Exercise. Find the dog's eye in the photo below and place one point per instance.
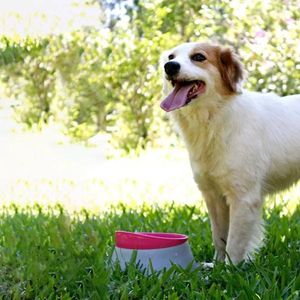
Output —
(171, 56)
(198, 57)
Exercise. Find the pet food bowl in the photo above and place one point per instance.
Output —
(161, 249)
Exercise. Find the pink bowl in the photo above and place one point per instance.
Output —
(148, 240)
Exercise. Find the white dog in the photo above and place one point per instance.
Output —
(242, 145)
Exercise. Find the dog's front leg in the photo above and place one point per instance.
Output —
(245, 228)
(219, 216)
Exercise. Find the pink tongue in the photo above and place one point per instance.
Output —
(177, 98)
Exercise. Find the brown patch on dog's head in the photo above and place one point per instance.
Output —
(231, 70)
(228, 64)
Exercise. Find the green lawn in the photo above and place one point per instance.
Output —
(47, 253)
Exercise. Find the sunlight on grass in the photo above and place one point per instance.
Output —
(98, 195)
(287, 200)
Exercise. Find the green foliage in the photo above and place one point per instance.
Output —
(109, 80)
(84, 98)
(29, 77)
(37, 90)
(49, 254)
(15, 50)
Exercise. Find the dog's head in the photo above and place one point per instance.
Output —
(199, 70)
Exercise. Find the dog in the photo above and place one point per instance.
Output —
(242, 145)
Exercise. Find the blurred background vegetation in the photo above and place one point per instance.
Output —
(104, 77)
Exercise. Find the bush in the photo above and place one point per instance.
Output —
(83, 101)
(29, 77)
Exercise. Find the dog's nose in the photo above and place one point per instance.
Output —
(172, 68)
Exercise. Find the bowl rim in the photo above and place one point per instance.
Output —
(148, 240)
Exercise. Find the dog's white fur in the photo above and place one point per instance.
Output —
(242, 145)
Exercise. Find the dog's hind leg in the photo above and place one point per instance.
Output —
(245, 228)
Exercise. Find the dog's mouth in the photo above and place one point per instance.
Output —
(183, 93)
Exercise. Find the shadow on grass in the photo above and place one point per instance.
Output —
(46, 253)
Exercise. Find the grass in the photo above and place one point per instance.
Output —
(50, 253)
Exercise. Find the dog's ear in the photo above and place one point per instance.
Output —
(232, 71)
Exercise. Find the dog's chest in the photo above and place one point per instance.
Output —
(207, 150)
(206, 164)
(205, 141)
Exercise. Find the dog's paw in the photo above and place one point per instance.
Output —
(207, 265)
